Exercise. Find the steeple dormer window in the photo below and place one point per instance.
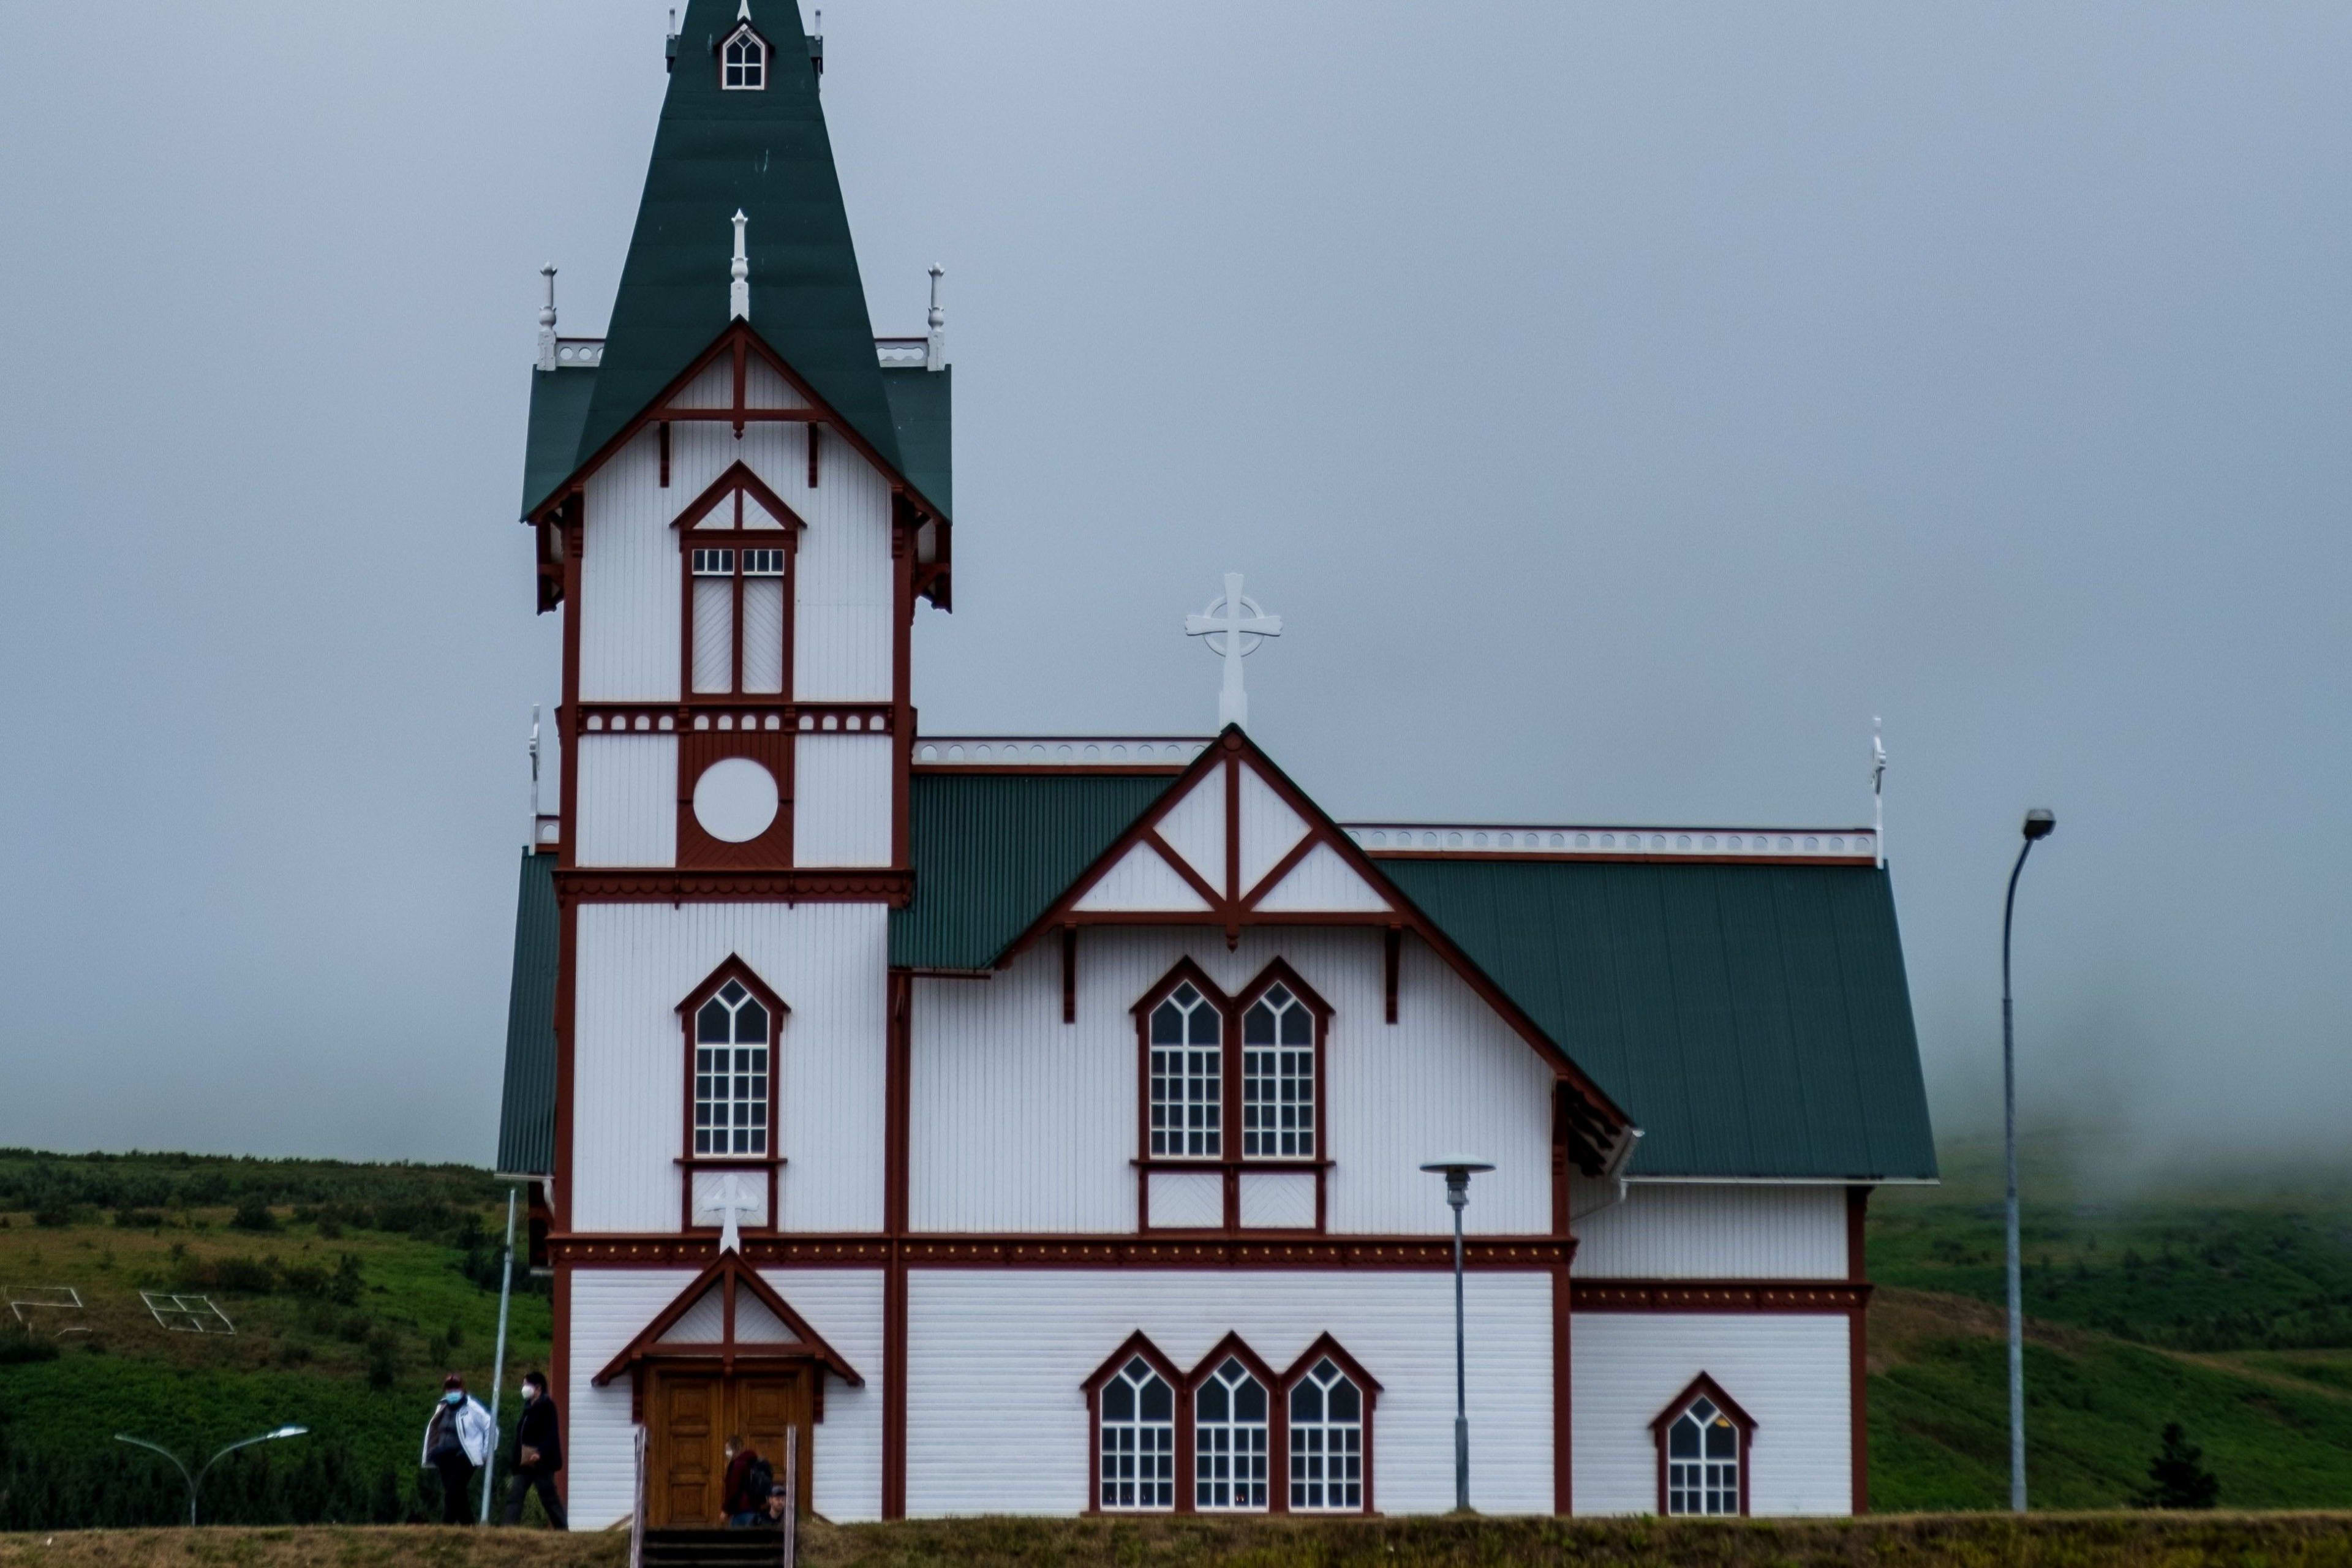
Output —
(743, 61)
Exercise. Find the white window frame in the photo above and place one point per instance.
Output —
(748, 73)
(733, 1078)
(1326, 1456)
(1278, 1079)
(1702, 1483)
(1136, 1471)
(1231, 1454)
(1187, 1087)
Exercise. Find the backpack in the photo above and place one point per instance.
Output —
(758, 1482)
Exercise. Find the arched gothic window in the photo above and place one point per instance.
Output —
(1277, 1077)
(1230, 1438)
(1188, 1068)
(1703, 1440)
(743, 62)
(1136, 1431)
(1327, 1440)
(731, 1042)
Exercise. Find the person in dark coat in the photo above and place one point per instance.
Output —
(538, 1454)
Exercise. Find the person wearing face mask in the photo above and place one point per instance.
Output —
(538, 1453)
(458, 1441)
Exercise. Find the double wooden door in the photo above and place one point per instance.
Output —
(690, 1412)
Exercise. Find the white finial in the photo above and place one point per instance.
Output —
(935, 348)
(547, 320)
(730, 1198)
(1878, 789)
(534, 775)
(743, 11)
(739, 292)
(1235, 626)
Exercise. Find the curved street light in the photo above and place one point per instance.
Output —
(2039, 824)
(1458, 1170)
(197, 1480)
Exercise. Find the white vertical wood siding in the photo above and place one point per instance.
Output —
(1269, 828)
(1789, 1371)
(627, 801)
(1322, 881)
(635, 961)
(996, 1420)
(609, 1306)
(1675, 1231)
(841, 801)
(1022, 1122)
(843, 578)
(628, 580)
(1141, 880)
(1187, 1200)
(1280, 1202)
(1195, 827)
(844, 1305)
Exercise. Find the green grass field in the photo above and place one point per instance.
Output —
(2226, 1309)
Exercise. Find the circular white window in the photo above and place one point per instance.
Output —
(735, 800)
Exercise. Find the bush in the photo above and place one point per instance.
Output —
(253, 1214)
(382, 1360)
(17, 1347)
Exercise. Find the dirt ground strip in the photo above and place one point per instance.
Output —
(1943, 1540)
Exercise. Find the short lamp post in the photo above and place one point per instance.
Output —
(1457, 1171)
(2038, 825)
(195, 1479)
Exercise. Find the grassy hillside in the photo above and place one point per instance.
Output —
(2048, 1541)
(2224, 1304)
(351, 1289)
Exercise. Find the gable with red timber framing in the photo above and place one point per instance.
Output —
(740, 381)
(1234, 842)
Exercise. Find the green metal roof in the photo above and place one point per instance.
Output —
(768, 153)
(921, 406)
(527, 1114)
(1754, 1020)
(559, 407)
(991, 853)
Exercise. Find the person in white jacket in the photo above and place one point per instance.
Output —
(458, 1441)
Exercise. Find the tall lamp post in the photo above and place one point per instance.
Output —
(1457, 1171)
(2038, 825)
(197, 1480)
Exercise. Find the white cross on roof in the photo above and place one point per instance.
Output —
(1235, 626)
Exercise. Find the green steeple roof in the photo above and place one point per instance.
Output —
(767, 153)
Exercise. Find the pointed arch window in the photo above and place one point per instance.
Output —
(1232, 1436)
(1327, 1421)
(1703, 1438)
(732, 1026)
(1132, 1399)
(743, 61)
(1188, 1075)
(740, 542)
(1279, 1076)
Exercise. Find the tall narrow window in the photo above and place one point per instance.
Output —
(1188, 1077)
(731, 1073)
(1229, 1438)
(1702, 1460)
(1327, 1441)
(1138, 1435)
(714, 620)
(743, 62)
(763, 622)
(1277, 1077)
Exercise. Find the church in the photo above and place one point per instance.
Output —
(1040, 1124)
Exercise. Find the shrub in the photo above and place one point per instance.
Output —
(18, 1346)
(253, 1214)
(382, 1360)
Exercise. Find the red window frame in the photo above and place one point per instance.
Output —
(1185, 1388)
(725, 496)
(1704, 1387)
(1231, 1162)
(689, 1161)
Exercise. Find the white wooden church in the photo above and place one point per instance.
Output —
(1035, 1124)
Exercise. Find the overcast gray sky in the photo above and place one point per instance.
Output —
(1621, 404)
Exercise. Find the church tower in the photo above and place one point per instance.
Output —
(739, 496)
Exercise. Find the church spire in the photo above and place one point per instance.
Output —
(759, 147)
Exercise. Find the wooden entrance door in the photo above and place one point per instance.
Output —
(690, 1414)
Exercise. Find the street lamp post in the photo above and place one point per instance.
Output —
(2038, 825)
(197, 1480)
(1457, 1171)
